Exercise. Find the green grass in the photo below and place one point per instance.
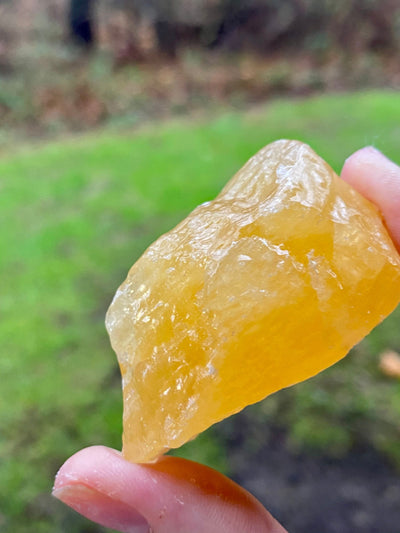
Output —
(76, 214)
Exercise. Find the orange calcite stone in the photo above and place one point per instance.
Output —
(267, 285)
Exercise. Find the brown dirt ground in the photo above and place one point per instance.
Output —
(316, 494)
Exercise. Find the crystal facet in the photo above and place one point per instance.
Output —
(267, 285)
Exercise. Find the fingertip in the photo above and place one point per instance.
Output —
(361, 152)
(377, 178)
(355, 166)
(90, 483)
(83, 465)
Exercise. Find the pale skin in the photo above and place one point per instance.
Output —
(179, 496)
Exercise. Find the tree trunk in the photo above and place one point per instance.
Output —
(80, 20)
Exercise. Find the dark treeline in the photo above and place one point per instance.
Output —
(261, 25)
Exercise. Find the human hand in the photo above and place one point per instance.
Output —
(178, 496)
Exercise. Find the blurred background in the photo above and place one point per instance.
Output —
(116, 119)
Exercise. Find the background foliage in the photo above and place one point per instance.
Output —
(250, 50)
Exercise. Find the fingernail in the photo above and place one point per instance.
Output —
(101, 508)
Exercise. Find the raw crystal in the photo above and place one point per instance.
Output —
(267, 285)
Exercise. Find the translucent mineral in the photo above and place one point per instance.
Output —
(263, 287)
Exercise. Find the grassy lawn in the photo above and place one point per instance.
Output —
(76, 214)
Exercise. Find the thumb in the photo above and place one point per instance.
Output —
(172, 495)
